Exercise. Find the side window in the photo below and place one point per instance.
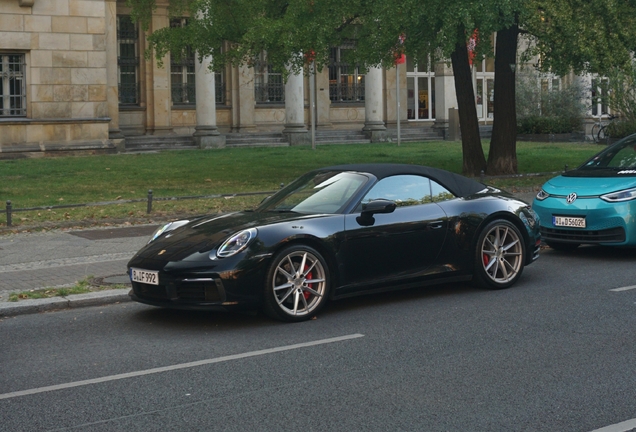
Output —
(439, 192)
(405, 190)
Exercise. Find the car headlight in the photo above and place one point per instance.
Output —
(542, 195)
(624, 195)
(167, 227)
(236, 243)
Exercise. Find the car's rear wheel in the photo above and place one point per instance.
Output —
(297, 284)
(562, 246)
(500, 255)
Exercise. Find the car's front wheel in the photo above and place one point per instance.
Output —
(500, 255)
(297, 284)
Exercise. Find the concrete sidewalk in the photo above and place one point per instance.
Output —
(53, 259)
(30, 261)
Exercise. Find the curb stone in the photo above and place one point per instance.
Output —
(99, 298)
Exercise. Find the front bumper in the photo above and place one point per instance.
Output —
(606, 223)
(201, 285)
(199, 293)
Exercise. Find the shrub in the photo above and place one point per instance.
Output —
(546, 125)
(621, 128)
(619, 93)
(547, 111)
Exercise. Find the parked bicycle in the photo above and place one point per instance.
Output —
(599, 129)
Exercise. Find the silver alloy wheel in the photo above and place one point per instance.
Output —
(299, 283)
(502, 254)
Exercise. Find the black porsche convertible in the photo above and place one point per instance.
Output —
(336, 232)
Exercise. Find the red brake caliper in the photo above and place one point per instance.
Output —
(486, 260)
(309, 276)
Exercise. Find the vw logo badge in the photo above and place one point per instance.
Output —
(571, 198)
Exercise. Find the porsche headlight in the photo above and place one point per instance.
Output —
(167, 227)
(542, 195)
(624, 195)
(236, 243)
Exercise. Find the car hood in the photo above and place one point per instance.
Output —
(206, 233)
(587, 186)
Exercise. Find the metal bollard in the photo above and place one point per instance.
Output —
(282, 185)
(481, 176)
(565, 168)
(149, 201)
(9, 213)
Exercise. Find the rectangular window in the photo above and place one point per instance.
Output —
(268, 83)
(182, 77)
(219, 88)
(420, 83)
(128, 61)
(346, 84)
(599, 106)
(12, 85)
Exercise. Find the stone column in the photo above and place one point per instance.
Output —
(158, 109)
(206, 133)
(374, 127)
(112, 91)
(246, 100)
(444, 97)
(323, 103)
(295, 130)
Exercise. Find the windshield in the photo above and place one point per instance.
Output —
(323, 192)
(619, 158)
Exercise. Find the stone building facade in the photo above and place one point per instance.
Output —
(53, 65)
(74, 79)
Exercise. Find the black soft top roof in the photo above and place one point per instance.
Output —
(459, 185)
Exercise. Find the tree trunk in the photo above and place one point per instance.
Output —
(502, 157)
(473, 154)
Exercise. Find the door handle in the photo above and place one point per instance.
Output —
(435, 225)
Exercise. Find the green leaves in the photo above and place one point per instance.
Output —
(580, 35)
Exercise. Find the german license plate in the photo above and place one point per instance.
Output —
(563, 221)
(144, 276)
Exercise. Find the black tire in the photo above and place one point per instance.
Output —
(602, 135)
(293, 294)
(500, 255)
(564, 247)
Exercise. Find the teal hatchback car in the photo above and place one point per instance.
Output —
(594, 203)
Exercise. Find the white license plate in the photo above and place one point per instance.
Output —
(562, 221)
(144, 276)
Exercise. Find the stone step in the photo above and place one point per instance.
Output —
(415, 134)
(155, 143)
(245, 140)
(261, 139)
(341, 137)
(256, 144)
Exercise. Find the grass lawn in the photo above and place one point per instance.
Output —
(74, 180)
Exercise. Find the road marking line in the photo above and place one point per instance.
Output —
(627, 288)
(177, 367)
(625, 426)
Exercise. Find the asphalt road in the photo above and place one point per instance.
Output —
(554, 353)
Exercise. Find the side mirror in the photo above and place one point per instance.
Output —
(378, 206)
